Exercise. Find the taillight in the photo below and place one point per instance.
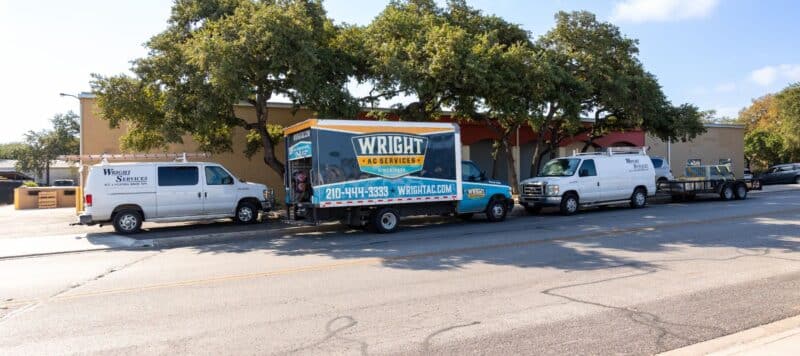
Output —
(88, 199)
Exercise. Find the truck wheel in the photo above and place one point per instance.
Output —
(496, 211)
(466, 216)
(127, 221)
(533, 209)
(246, 213)
(741, 191)
(638, 198)
(386, 220)
(727, 192)
(569, 204)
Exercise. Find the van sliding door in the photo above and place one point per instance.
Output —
(179, 191)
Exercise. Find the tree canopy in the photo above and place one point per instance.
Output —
(772, 128)
(216, 53)
(41, 148)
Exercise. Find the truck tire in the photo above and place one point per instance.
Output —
(727, 192)
(638, 198)
(496, 210)
(533, 209)
(246, 213)
(569, 204)
(741, 191)
(127, 221)
(385, 220)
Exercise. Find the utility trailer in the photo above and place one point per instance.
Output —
(707, 180)
(366, 173)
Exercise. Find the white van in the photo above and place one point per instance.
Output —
(591, 179)
(127, 194)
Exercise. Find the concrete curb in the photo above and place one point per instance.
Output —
(751, 341)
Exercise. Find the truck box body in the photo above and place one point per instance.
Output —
(377, 163)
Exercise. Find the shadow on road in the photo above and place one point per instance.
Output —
(599, 238)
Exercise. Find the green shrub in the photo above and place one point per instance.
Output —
(29, 183)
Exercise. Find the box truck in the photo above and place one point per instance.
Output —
(371, 173)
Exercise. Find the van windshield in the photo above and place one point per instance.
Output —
(562, 167)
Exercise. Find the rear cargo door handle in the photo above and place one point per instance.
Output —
(205, 195)
(198, 194)
(598, 184)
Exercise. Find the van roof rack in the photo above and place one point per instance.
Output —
(105, 157)
(611, 151)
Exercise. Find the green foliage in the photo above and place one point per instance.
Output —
(216, 53)
(29, 184)
(772, 125)
(43, 147)
(11, 150)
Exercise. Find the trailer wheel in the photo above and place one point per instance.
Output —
(385, 220)
(496, 210)
(727, 192)
(569, 204)
(741, 191)
(638, 198)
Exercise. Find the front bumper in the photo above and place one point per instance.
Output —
(539, 200)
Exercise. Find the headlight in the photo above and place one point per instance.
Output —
(551, 190)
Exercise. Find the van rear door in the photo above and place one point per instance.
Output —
(179, 191)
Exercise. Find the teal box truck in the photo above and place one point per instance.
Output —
(371, 173)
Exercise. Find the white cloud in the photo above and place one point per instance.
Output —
(727, 111)
(725, 88)
(768, 75)
(638, 11)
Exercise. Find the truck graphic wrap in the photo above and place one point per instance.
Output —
(378, 165)
(390, 155)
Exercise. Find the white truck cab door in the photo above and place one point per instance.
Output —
(179, 191)
(589, 182)
(220, 194)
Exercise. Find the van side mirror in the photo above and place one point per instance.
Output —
(242, 180)
(483, 175)
(227, 180)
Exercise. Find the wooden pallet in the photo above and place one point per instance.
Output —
(48, 200)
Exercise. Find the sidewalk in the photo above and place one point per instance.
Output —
(779, 338)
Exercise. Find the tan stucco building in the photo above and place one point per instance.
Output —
(720, 142)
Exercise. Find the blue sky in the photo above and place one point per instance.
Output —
(717, 54)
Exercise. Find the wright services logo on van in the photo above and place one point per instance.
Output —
(390, 155)
(123, 178)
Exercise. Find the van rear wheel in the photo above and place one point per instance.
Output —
(127, 222)
(246, 213)
(638, 198)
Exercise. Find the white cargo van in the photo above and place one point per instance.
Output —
(127, 194)
(591, 179)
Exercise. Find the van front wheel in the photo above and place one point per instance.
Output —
(127, 221)
(246, 213)
(569, 204)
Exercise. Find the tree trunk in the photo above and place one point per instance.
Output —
(262, 115)
(513, 181)
(47, 173)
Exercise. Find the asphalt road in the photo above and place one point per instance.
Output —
(610, 281)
